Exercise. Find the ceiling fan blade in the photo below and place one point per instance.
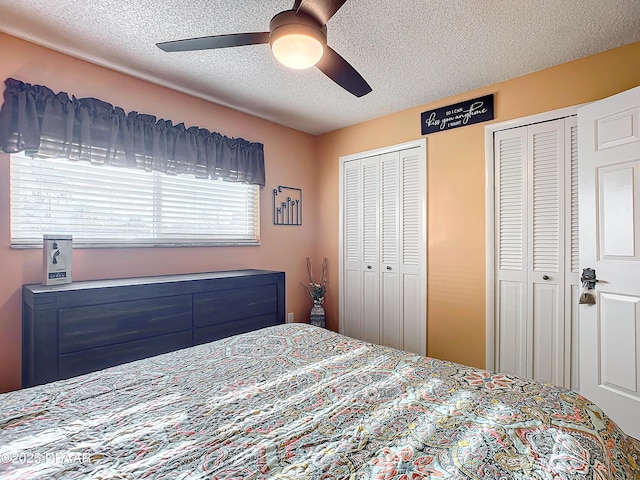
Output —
(340, 71)
(217, 41)
(322, 10)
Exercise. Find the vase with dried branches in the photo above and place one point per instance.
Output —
(316, 289)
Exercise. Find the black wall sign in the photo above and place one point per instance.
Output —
(458, 115)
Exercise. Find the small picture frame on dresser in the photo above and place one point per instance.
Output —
(57, 251)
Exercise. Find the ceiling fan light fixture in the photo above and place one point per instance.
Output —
(296, 40)
(296, 50)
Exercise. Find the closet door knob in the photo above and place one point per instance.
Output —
(545, 277)
(369, 267)
(388, 267)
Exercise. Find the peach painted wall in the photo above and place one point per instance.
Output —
(456, 189)
(455, 170)
(282, 248)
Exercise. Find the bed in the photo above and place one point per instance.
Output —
(296, 401)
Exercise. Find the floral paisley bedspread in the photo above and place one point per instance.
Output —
(299, 402)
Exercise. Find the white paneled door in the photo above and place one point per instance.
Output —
(609, 177)
(383, 246)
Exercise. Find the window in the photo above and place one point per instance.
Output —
(102, 206)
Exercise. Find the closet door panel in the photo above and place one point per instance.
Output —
(412, 211)
(370, 307)
(572, 283)
(412, 250)
(353, 316)
(547, 364)
(546, 251)
(352, 248)
(391, 321)
(511, 250)
(511, 335)
(370, 266)
(546, 188)
(390, 209)
(370, 215)
(511, 201)
(413, 328)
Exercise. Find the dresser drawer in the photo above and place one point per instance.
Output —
(92, 326)
(93, 359)
(223, 306)
(223, 330)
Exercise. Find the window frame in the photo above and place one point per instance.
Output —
(150, 242)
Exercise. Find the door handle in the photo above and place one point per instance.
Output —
(388, 267)
(545, 277)
(588, 278)
(369, 267)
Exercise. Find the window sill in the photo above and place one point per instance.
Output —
(175, 244)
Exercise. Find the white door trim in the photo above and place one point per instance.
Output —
(489, 132)
(421, 144)
(382, 150)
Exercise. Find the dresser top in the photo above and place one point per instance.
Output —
(121, 282)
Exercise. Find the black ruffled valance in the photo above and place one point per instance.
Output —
(35, 120)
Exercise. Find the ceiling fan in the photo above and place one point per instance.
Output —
(298, 39)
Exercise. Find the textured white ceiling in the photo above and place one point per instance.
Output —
(411, 52)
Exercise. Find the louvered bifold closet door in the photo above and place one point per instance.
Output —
(370, 249)
(572, 244)
(383, 247)
(545, 322)
(352, 245)
(391, 314)
(510, 150)
(412, 250)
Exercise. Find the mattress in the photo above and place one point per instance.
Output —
(300, 402)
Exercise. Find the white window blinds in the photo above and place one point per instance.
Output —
(102, 206)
